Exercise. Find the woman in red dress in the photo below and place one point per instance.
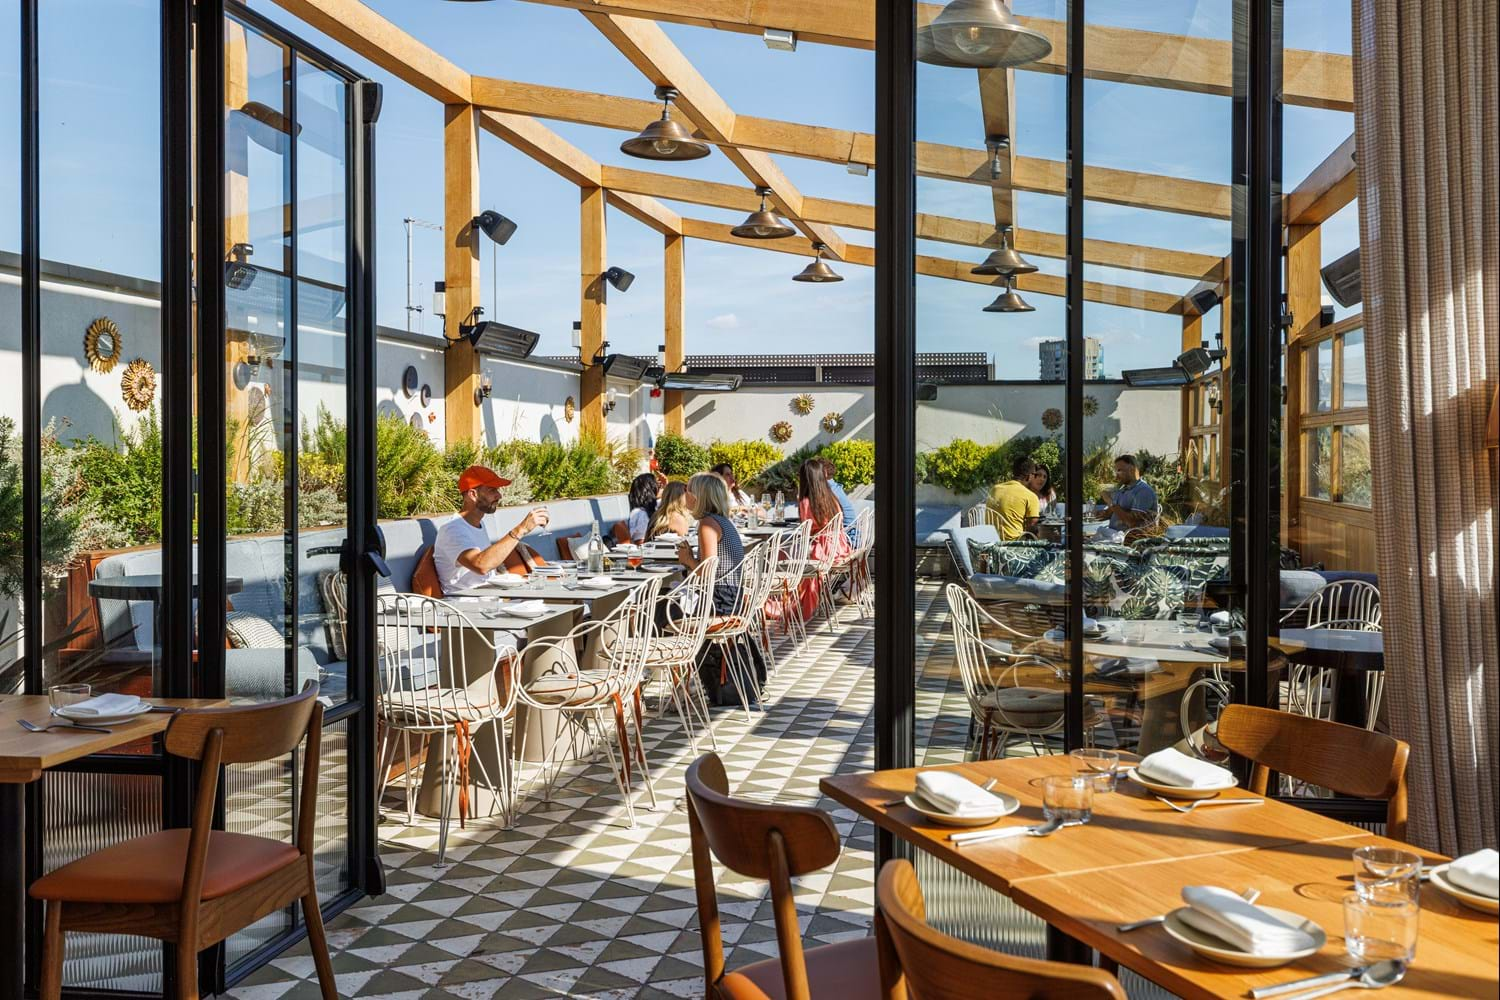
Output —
(817, 505)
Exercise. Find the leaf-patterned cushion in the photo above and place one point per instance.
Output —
(1024, 557)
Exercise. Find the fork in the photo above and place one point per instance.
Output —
(32, 727)
(1209, 802)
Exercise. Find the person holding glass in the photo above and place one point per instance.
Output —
(1132, 503)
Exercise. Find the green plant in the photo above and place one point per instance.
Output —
(409, 473)
(122, 486)
(747, 458)
(61, 522)
(920, 472)
(783, 474)
(680, 456)
(853, 462)
(959, 465)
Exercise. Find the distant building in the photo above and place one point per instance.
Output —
(1053, 355)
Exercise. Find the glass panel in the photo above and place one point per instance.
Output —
(12, 487)
(1320, 377)
(1353, 382)
(1319, 444)
(1354, 464)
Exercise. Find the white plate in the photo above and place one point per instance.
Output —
(1222, 951)
(670, 537)
(103, 720)
(599, 583)
(1473, 900)
(1177, 791)
(520, 611)
(508, 580)
(1004, 806)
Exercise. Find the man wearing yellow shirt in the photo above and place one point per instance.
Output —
(1014, 507)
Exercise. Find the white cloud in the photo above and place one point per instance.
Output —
(724, 321)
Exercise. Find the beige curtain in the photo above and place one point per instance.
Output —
(1425, 106)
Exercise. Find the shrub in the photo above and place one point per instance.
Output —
(409, 472)
(783, 475)
(920, 472)
(123, 485)
(558, 471)
(680, 456)
(853, 462)
(748, 458)
(959, 465)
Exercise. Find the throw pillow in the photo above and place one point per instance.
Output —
(248, 631)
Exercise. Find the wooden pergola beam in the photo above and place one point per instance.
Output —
(943, 267)
(1330, 186)
(1123, 55)
(650, 50)
(939, 228)
(997, 103)
(935, 160)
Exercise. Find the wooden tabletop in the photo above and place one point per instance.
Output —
(1132, 860)
(25, 755)
(1456, 946)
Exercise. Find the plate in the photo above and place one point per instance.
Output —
(670, 537)
(1005, 805)
(520, 611)
(103, 720)
(508, 580)
(1484, 904)
(599, 583)
(1177, 791)
(1220, 951)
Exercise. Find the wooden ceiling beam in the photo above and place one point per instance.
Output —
(942, 267)
(650, 50)
(997, 103)
(1123, 55)
(1330, 186)
(935, 160)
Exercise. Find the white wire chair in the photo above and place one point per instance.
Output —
(760, 629)
(671, 651)
(976, 515)
(1342, 604)
(822, 554)
(727, 631)
(582, 690)
(852, 571)
(795, 546)
(429, 689)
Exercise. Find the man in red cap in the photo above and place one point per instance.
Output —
(463, 552)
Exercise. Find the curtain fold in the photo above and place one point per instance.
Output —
(1425, 106)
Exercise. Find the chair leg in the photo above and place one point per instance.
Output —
(187, 972)
(450, 778)
(408, 778)
(317, 940)
(640, 746)
(52, 952)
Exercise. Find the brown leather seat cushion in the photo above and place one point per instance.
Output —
(845, 971)
(149, 869)
(424, 579)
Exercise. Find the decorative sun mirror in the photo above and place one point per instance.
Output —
(102, 344)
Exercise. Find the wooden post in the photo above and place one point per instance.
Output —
(1304, 298)
(1192, 336)
(237, 230)
(672, 331)
(460, 268)
(591, 267)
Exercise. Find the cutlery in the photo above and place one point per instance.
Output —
(1209, 802)
(1308, 983)
(896, 802)
(1375, 977)
(1249, 896)
(1044, 830)
(32, 727)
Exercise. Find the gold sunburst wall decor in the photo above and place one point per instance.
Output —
(803, 403)
(781, 431)
(138, 384)
(832, 423)
(101, 344)
(569, 408)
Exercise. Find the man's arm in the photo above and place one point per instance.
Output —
(485, 561)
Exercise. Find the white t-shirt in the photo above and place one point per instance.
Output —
(454, 538)
(639, 523)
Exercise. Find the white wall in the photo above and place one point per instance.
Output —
(750, 412)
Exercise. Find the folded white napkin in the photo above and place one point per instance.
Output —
(1478, 872)
(106, 704)
(956, 795)
(1219, 618)
(1173, 767)
(523, 609)
(599, 582)
(507, 579)
(1246, 926)
(668, 536)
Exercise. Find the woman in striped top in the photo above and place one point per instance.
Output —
(717, 536)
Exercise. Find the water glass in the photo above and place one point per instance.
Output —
(1100, 766)
(63, 695)
(570, 574)
(1068, 797)
(1380, 928)
(1379, 871)
(1191, 609)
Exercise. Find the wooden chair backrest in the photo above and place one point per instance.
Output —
(1349, 760)
(925, 964)
(761, 841)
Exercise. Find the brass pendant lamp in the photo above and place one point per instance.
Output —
(818, 270)
(762, 224)
(665, 139)
(1004, 261)
(980, 34)
(1008, 301)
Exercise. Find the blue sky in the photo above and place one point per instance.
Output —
(100, 172)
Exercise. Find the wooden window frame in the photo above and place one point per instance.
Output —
(1336, 417)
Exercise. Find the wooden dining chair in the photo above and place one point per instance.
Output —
(195, 886)
(1346, 759)
(921, 963)
(773, 843)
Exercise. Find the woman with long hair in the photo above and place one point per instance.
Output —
(642, 506)
(673, 516)
(817, 505)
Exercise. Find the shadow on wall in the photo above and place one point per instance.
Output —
(80, 412)
(548, 429)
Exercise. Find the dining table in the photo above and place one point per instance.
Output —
(1135, 855)
(1353, 653)
(24, 757)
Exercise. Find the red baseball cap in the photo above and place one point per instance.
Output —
(479, 475)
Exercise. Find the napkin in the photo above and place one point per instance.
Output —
(507, 579)
(602, 582)
(1219, 618)
(955, 794)
(106, 704)
(523, 609)
(1478, 872)
(1132, 665)
(1173, 767)
(1246, 926)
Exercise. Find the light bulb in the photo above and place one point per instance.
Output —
(971, 40)
(666, 147)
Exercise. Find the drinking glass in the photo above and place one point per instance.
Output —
(1100, 766)
(1380, 927)
(63, 695)
(1191, 609)
(1378, 870)
(633, 560)
(1068, 797)
(570, 574)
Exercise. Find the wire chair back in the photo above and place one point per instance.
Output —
(1003, 688)
(795, 545)
(426, 679)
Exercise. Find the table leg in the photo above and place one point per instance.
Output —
(1063, 947)
(12, 889)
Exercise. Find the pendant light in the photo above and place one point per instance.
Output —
(1004, 261)
(762, 224)
(818, 270)
(1008, 301)
(980, 34)
(665, 139)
